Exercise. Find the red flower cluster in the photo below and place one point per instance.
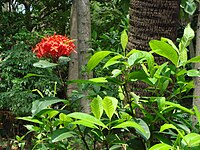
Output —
(54, 47)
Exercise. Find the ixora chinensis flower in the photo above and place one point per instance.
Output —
(54, 46)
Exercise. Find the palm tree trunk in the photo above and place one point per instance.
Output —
(152, 19)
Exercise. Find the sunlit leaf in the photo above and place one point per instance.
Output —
(163, 49)
(109, 105)
(96, 107)
(96, 59)
(44, 64)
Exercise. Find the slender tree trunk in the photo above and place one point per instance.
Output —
(84, 36)
(73, 64)
(196, 99)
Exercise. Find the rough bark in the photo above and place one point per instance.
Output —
(84, 36)
(196, 99)
(73, 64)
(152, 19)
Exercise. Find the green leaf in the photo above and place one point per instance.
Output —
(124, 39)
(193, 73)
(33, 75)
(194, 60)
(170, 126)
(96, 107)
(44, 64)
(96, 59)
(188, 35)
(85, 123)
(180, 107)
(191, 140)
(163, 49)
(143, 124)
(116, 72)
(98, 80)
(132, 124)
(87, 118)
(113, 61)
(30, 119)
(109, 105)
(197, 113)
(135, 58)
(61, 134)
(41, 104)
(161, 146)
(161, 102)
(190, 7)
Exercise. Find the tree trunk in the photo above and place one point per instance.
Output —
(84, 36)
(196, 99)
(73, 64)
(151, 19)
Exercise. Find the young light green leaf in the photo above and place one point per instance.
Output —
(44, 64)
(170, 126)
(98, 80)
(194, 60)
(85, 123)
(163, 49)
(109, 105)
(188, 35)
(116, 72)
(61, 134)
(96, 59)
(87, 117)
(161, 102)
(96, 107)
(161, 146)
(135, 58)
(193, 73)
(124, 39)
(191, 140)
(112, 61)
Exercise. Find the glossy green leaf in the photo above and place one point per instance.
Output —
(194, 60)
(161, 146)
(87, 118)
(109, 105)
(163, 49)
(98, 80)
(44, 64)
(96, 59)
(193, 73)
(124, 39)
(135, 58)
(133, 125)
(190, 7)
(188, 35)
(96, 107)
(39, 105)
(143, 124)
(113, 61)
(170, 126)
(116, 72)
(61, 134)
(191, 140)
(85, 123)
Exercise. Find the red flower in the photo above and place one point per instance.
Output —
(54, 46)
